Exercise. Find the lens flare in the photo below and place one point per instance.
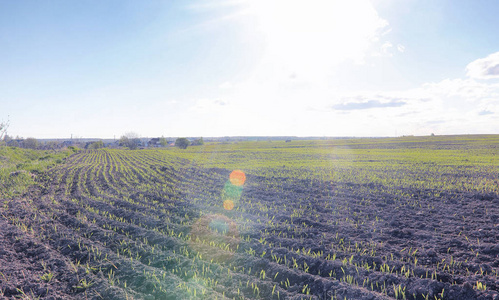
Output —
(211, 231)
(231, 191)
(219, 226)
(237, 177)
(229, 205)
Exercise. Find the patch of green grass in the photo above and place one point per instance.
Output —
(19, 167)
(47, 277)
(465, 162)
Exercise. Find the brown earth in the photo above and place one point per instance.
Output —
(108, 226)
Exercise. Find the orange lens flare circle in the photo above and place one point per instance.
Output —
(237, 177)
(229, 205)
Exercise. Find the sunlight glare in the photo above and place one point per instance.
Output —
(317, 33)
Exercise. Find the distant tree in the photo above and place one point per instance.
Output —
(3, 129)
(12, 142)
(96, 145)
(198, 142)
(163, 142)
(130, 140)
(182, 143)
(7, 138)
(30, 143)
(52, 145)
(123, 141)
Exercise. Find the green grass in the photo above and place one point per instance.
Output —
(438, 163)
(19, 167)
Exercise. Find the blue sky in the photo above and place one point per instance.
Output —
(218, 68)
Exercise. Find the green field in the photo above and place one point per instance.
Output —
(388, 218)
(442, 163)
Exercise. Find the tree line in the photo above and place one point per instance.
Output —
(130, 140)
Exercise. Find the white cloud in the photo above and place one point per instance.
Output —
(226, 85)
(451, 106)
(384, 50)
(484, 68)
(469, 90)
(210, 105)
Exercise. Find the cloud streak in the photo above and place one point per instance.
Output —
(485, 112)
(368, 105)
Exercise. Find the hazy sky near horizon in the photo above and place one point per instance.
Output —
(235, 67)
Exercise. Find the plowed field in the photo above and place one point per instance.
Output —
(355, 219)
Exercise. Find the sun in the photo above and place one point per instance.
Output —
(303, 39)
(316, 31)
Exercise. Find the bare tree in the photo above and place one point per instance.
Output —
(163, 141)
(198, 142)
(3, 128)
(130, 140)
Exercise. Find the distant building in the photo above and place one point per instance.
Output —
(114, 145)
(154, 142)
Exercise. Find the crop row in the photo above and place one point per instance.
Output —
(153, 223)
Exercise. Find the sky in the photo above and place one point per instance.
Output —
(100, 69)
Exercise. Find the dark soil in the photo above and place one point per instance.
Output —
(107, 225)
